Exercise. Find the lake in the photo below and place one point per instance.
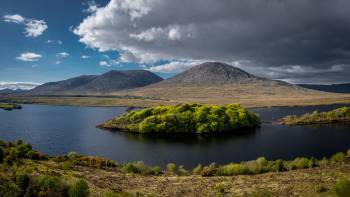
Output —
(60, 129)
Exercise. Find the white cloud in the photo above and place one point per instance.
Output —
(92, 7)
(104, 63)
(33, 28)
(62, 55)
(16, 18)
(29, 57)
(175, 66)
(85, 57)
(54, 41)
(57, 62)
(17, 85)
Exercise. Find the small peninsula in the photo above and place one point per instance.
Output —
(9, 106)
(185, 118)
(341, 114)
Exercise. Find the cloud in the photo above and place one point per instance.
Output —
(92, 7)
(33, 28)
(62, 55)
(85, 57)
(104, 63)
(267, 33)
(29, 57)
(174, 66)
(54, 41)
(16, 18)
(17, 85)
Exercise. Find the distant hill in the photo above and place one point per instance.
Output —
(8, 91)
(97, 84)
(337, 88)
(215, 82)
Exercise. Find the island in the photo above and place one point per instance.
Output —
(185, 118)
(339, 115)
(9, 106)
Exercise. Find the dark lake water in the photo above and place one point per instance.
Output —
(61, 129)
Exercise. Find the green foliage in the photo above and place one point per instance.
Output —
(79, 189)
(171, 168)
(342, 188)
(140, 168)
(185, 118)
(94, 162)
(337, 115)
(338, 157)
(197, 170)
(9, 106)
(67, 166)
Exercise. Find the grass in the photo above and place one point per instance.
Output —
(9, 106)
(341, 114)
(227, 97)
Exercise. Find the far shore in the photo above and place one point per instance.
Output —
(121, 101)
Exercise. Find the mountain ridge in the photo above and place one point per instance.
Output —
(97, 84)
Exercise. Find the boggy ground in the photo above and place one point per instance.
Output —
(304, 182)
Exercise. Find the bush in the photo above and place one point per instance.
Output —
(197, 170)
(338, 157)
(342, 188)
(79, 189)
(111, 194)
(171, 168)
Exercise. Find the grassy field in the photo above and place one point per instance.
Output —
(258, 101)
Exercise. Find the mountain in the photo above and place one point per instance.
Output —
(211, 73)
(215, 82)
(337, 88)
(97, 84)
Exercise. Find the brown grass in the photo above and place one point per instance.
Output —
(292, 183)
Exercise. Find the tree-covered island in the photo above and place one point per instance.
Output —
(9, 106)
(185, 118)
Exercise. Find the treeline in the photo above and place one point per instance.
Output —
(185, 118)
(337, 115)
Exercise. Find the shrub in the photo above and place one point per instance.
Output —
(342, 188)
(73, 155)
(79, 189)
(67, 166)
(111, 193)
(338, 157)
(197, 170)
(171, 168)
(209, 170)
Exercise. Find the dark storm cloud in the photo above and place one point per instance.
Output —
(268, 37)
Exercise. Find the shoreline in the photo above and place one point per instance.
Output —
(109, 101)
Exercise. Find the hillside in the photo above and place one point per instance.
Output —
(215, 82)
(97, 84)
(337, 88)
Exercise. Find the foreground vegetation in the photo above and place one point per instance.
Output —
(9, 106)
(337, 115)
(26, 172)
(185, 118)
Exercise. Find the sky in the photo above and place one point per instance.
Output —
(299, 41)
